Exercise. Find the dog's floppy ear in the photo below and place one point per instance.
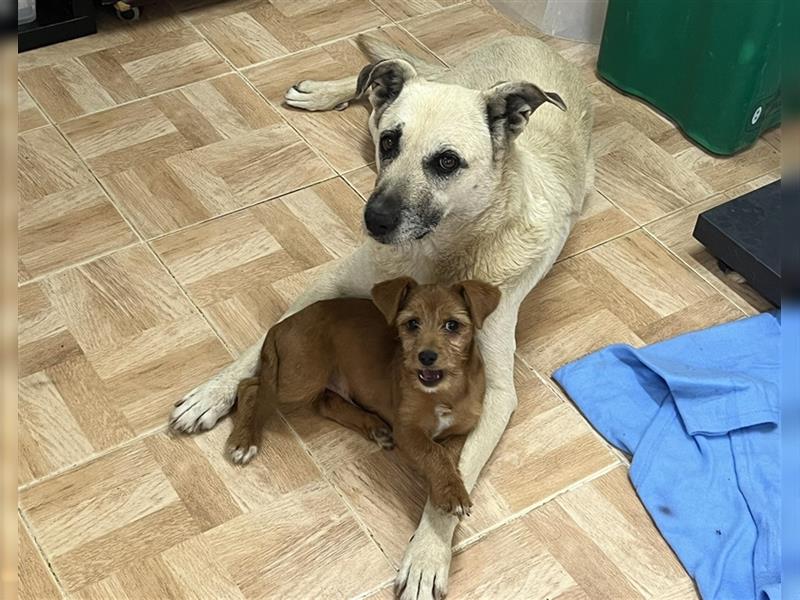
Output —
(386, 78)
(481, 299)
(509, 105)
(389, 296)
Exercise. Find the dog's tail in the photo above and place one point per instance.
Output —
(377, 50)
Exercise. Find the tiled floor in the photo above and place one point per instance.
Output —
(171, 208)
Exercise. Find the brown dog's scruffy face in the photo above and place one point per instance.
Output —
(436, 325)
(436, 333)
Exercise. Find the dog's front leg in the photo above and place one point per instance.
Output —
(424, 571)
(201, 408)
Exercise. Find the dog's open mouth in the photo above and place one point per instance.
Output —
(430, 377)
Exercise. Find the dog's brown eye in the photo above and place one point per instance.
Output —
(451, 326)
(448, 162)
(387, 143)
(412, 325)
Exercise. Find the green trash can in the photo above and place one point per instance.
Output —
(712, 66)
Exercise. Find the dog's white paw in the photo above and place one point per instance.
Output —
(424, 571)
(314, 95)
(383, 437)
(240, 455)
(201, 408)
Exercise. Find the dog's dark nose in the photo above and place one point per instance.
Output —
(428, 357)
(382, 214)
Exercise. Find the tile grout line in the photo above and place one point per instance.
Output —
(700, 275)
(235, 211)
(597, 245)
(378, 588)
(349, 184)
(105, 191)
(97, 455)
(436, 11)
(401, 25)
(324, 473)
(313, 46)
(191, 302)
(48, 120)
(80, 263)
(161, 236)
(40, 551)
(398, 23)
(555, 390)
(723, 191)
(147, 97)
(283, 118)
(474, 539)
(251, 86)
(614, 204)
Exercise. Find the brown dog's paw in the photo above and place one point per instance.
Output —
(452, 497)
(241, 455)
(383, 437)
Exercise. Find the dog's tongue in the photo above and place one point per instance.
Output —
(430, 375)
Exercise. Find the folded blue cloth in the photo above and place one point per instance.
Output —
(700, 414)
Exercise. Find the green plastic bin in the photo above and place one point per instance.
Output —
(712, 66)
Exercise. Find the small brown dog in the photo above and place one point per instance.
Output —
(408, 360)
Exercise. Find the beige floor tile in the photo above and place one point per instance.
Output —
(599, 222)
(184, 156)
(404, 9)
(105, 349)
(28, 114)
(596, 541)
(331, 445)
(362, 180)
(675, 231)
(34, 580)
(628, 291)
(153, 61)
(547, 440)
(641, 178)
(251, 32)
(636, 120)
(166, 491)
(303, 546)
(455, 32)
(187, 571)
(582, 54)
(157, 21)
(64, 216)
(232, 267)
(773, 138)
(604, 539)
(385, 593)
(106, 515)
(612, 107)
(723, 173)
(281, 468)
(528, 569)
(341, 136)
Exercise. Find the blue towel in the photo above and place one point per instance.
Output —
(700, 416)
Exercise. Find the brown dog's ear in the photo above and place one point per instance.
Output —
(386, 78)
(389, 296)
(481, 299)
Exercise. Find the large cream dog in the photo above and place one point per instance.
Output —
(482, 172)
